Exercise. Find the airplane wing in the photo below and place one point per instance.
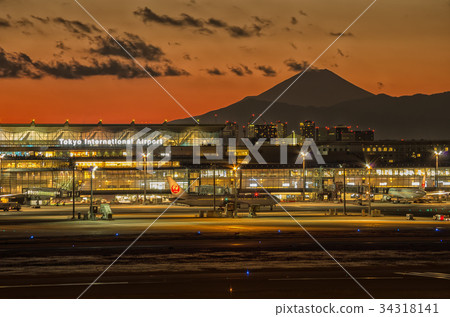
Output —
(438, 193)
(11, 195)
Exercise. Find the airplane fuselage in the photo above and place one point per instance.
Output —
(406, 193)
(208, 200)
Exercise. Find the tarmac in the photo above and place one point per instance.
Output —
(46, 254)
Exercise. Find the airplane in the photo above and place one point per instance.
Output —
(404, 194)
(253, 201)
(411, 194)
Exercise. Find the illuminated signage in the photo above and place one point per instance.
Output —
(110, 142)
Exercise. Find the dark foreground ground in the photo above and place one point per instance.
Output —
(43, 254)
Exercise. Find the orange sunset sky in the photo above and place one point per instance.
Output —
(56, 64)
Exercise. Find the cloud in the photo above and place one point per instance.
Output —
(340, 34)
(201, 25)
(267, 71)
(42, 20)
(241, 31)
(294, 66)
(262, 21)
(24, 22)
(204, 31)
(16, 65)
(62, 46)
(237, 31)
(188, 20)
(110, 67)
(237, 71)
(214, 71)
(294, 21)
(245, 31)
(76, 70)
(73, 26)
(4, 23)
(341, 53)
(106, 46)
(240, 70)
(76, 27)
(147, 15)
(173, 71)
(19, 65)
(217, 23)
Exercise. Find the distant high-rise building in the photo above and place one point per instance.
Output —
(308, 129)
(366, 135)
(230, 130)
(347, 136)
(325, 134)
(340, 129)
(268, 131)
(281, 129)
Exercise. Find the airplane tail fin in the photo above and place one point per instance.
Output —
(423, 182)
(175, 189)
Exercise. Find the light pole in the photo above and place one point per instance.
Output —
(214, 187)
(436, 179)
(369, 168)
(303, 154)
(345, 182)
(1, 172)
(144, 157)
(73, 188)
(235, 169)
(93, 169)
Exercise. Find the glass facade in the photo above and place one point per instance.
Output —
(33, 156)
(117, 177)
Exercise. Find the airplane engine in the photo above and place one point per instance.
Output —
(386, 198)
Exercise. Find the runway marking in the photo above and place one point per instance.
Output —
(61, 284)
(437, 275)
(336, 278)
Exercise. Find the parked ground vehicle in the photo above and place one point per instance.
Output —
(441, 218)
(13, 205)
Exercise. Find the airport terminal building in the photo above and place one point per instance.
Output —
(47, 161)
